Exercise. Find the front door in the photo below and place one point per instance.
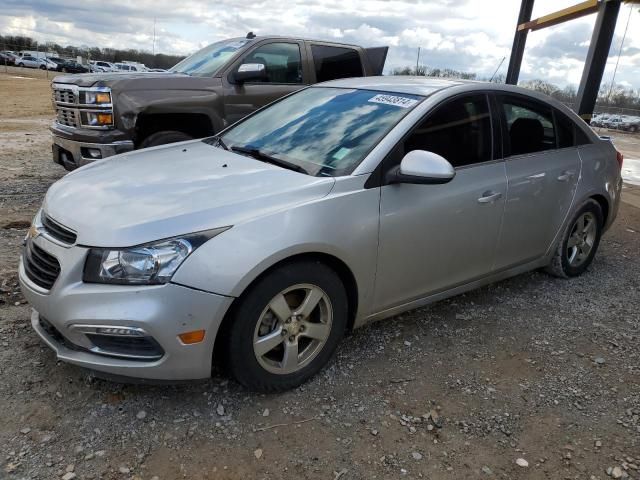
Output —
(542, 180)
(435, 237)
(286, 73)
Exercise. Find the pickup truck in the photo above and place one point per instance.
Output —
(99, 115)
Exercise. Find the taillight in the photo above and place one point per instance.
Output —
(619, 158)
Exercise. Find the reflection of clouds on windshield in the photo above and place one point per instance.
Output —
(331, 129)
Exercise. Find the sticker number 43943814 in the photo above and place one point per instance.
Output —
(402, 102)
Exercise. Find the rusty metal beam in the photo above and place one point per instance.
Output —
(564, 15)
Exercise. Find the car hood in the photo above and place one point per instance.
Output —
(166, 191)
(131, 80)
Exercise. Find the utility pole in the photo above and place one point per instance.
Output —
(417, 61)
(154, 41)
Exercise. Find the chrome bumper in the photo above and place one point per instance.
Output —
(71, 154)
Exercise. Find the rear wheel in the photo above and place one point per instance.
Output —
(164, 137)
(287, 327)
(42, 67)
(579, 243)
(21, 65)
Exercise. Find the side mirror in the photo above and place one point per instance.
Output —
(250, 72)
(422, 167)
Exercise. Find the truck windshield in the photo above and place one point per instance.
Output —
(206, 62)
(324, 131)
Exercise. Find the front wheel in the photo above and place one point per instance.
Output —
(579, 243)
(21, 65)
(42, 67)
(286, 327)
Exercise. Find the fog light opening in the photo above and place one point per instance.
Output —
(189, 338)
(94, 153)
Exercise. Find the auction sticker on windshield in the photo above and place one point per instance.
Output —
(402, 102)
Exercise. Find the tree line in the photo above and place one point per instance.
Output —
(616, 95)
(159, 60)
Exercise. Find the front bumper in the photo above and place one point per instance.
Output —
(162, 311)
(72, 154)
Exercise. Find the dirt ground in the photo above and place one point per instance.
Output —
(531, 368)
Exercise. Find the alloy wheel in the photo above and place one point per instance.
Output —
(292, 329)
(582, 238)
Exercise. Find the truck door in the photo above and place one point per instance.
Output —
(286, 72)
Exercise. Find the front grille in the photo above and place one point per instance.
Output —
(67, 116)
(57, 231)
(41, 267)
(134, 348)
(64, 96)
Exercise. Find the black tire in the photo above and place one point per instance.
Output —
(560, 265)
(64, 70)
(164, 137)
(42, 67)
(21, 65)
(634, 128)
(239, 358)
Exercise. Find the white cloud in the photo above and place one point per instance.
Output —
(469, 35)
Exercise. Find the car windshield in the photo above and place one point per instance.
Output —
(324, 131)
(206, 62)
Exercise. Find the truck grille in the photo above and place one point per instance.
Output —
(64, 96)
(41, 267)
(67, 117)
(58, 231)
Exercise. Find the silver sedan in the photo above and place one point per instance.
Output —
(344, 203)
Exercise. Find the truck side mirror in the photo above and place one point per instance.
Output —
(248, 72)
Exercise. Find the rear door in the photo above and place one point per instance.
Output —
(542, 173)
(286, 73)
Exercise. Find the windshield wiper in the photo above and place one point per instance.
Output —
(259, 155)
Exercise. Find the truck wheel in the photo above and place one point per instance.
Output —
(164, 137)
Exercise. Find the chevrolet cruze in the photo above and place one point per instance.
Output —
(343, 203)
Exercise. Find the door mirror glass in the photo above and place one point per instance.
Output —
(422, 167)
(250, 72)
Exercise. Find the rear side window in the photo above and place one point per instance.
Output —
(569, 134)
(459, 131)
(335, 62)
(529, 126)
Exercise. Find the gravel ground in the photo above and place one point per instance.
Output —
(530, 378)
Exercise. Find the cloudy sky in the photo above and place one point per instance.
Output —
(470, 35)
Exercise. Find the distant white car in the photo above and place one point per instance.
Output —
(102, 66)
(127, 67)
(29, 62)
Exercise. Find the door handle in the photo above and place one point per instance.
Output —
(566, 175)
(489, 197)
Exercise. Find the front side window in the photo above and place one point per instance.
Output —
(332, 63)
(281, 61)
(206, 62)
(529, 126)
(459, 131)
(325, 131)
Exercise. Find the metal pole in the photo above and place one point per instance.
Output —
(519, 41)
(597, 55)
(417, 61)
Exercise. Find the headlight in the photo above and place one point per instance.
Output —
(150, 264)
(97, 98)
(97, 119)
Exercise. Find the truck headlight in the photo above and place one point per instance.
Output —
(97, 98)
(150, 264)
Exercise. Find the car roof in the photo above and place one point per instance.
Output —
(396, 84)
(283, 37)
